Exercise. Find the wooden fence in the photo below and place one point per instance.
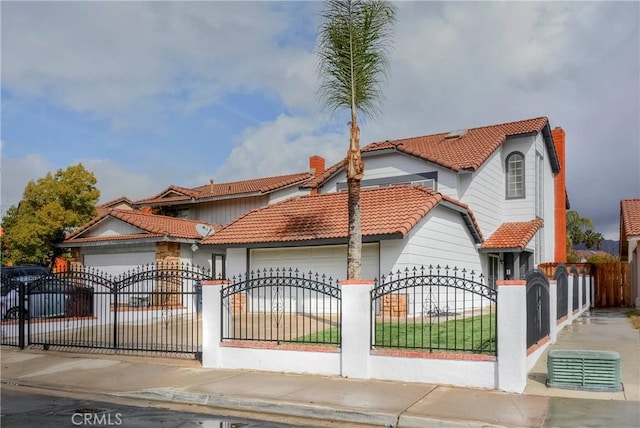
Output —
(612, 281)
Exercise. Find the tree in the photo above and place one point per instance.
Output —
(354, 41)
(577, 228)
(50, 207)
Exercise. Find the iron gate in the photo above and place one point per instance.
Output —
(562, 297)
(282, 306)
(537, 307)
(153, 308)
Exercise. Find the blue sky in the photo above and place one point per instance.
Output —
(148, 94)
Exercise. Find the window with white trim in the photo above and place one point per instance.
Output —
(515, 175)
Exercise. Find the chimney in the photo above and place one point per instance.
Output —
(211, 185)
(560, 198)
(316, 165)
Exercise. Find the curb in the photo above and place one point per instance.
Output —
(313, 411)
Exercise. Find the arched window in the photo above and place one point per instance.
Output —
(515, 175)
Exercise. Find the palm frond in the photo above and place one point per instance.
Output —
(354, 43)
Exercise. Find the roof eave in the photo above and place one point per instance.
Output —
(477, 236)
(366, 239)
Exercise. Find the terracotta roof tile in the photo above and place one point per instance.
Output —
(514, 235)
(630, 216)
(154, 225)
(385, 211)
(222, 190)
(466, 152)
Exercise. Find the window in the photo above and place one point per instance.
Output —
(218, 266)
(515, 175)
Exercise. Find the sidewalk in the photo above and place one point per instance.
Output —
(347, 401)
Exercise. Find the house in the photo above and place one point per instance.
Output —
(490, 199)
(163, 227)
(629, 240)
(401, 226)
(120, 239)
(505, 176)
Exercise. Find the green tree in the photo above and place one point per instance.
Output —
(50, 207)
(577, 228)
(354, 42)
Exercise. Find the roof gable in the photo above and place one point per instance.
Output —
(462, 151)
(149, 226)
(213, 191)
(389, 211)
(630, 217)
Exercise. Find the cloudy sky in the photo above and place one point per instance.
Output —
(147, 94)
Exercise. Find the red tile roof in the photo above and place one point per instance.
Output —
(511, 236)
(105, 207)
(385, 211)
(153, 225)
(630, 217)
(468, 151)
(224, 190)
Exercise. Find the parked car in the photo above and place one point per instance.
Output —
(25, 274)
(47, 295)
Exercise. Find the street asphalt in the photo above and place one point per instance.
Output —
(334, 401)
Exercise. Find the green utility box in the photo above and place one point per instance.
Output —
(584, 370)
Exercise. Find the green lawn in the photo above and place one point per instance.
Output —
(473, 334)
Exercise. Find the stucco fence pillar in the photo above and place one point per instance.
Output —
(211, 329)
(553, 310)
(512, 335)
(356, 327)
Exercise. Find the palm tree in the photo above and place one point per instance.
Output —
(354, 41)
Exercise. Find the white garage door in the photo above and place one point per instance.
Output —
(328, 260)
(117, 263)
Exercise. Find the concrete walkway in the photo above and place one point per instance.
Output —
(315, 400)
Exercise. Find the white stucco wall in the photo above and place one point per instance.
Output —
(398, 164)
(112, 227)
(225, 211)
(286, 193)
(440, 238)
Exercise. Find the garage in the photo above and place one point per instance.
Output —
(116, 262)
(329, 260)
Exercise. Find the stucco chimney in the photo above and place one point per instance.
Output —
(211, 185)
(316, 165)
(560, 200)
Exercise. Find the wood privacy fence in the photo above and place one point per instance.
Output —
(612, 281)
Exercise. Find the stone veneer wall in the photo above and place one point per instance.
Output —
(168, 254)
(76, 259)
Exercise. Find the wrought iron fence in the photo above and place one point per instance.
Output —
(434, 309)
(152, 308)
(575, 304)
(282, 306)
(538, 325)
(562, 297)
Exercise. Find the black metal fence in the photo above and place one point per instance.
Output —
(537, 307)
(562, 297)
(282, 306)
(575, 302)
(153, 308)
(435, 309)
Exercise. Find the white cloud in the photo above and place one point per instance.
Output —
(16, 173)
(106, 57)
(282, 147)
